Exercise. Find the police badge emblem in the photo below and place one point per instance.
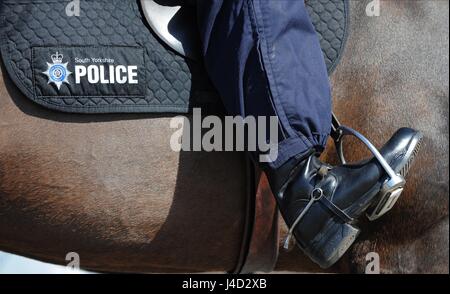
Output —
(57, 71)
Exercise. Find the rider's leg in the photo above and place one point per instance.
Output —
(265, 59)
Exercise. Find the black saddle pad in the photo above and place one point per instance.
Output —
(125, 67)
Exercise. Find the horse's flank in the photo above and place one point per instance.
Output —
(109, 187)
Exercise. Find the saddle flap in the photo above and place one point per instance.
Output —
(104, 60)
(110, 60)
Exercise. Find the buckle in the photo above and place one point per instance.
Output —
(392, 187)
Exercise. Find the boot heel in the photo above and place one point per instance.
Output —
(333, 242)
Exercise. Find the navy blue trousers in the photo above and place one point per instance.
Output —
(264, 58)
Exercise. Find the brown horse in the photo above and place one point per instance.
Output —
(109, 187)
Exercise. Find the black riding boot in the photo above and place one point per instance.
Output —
(321, 203)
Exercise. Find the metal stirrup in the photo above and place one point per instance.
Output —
(392, 187)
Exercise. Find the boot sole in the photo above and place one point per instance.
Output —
(411, 155)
